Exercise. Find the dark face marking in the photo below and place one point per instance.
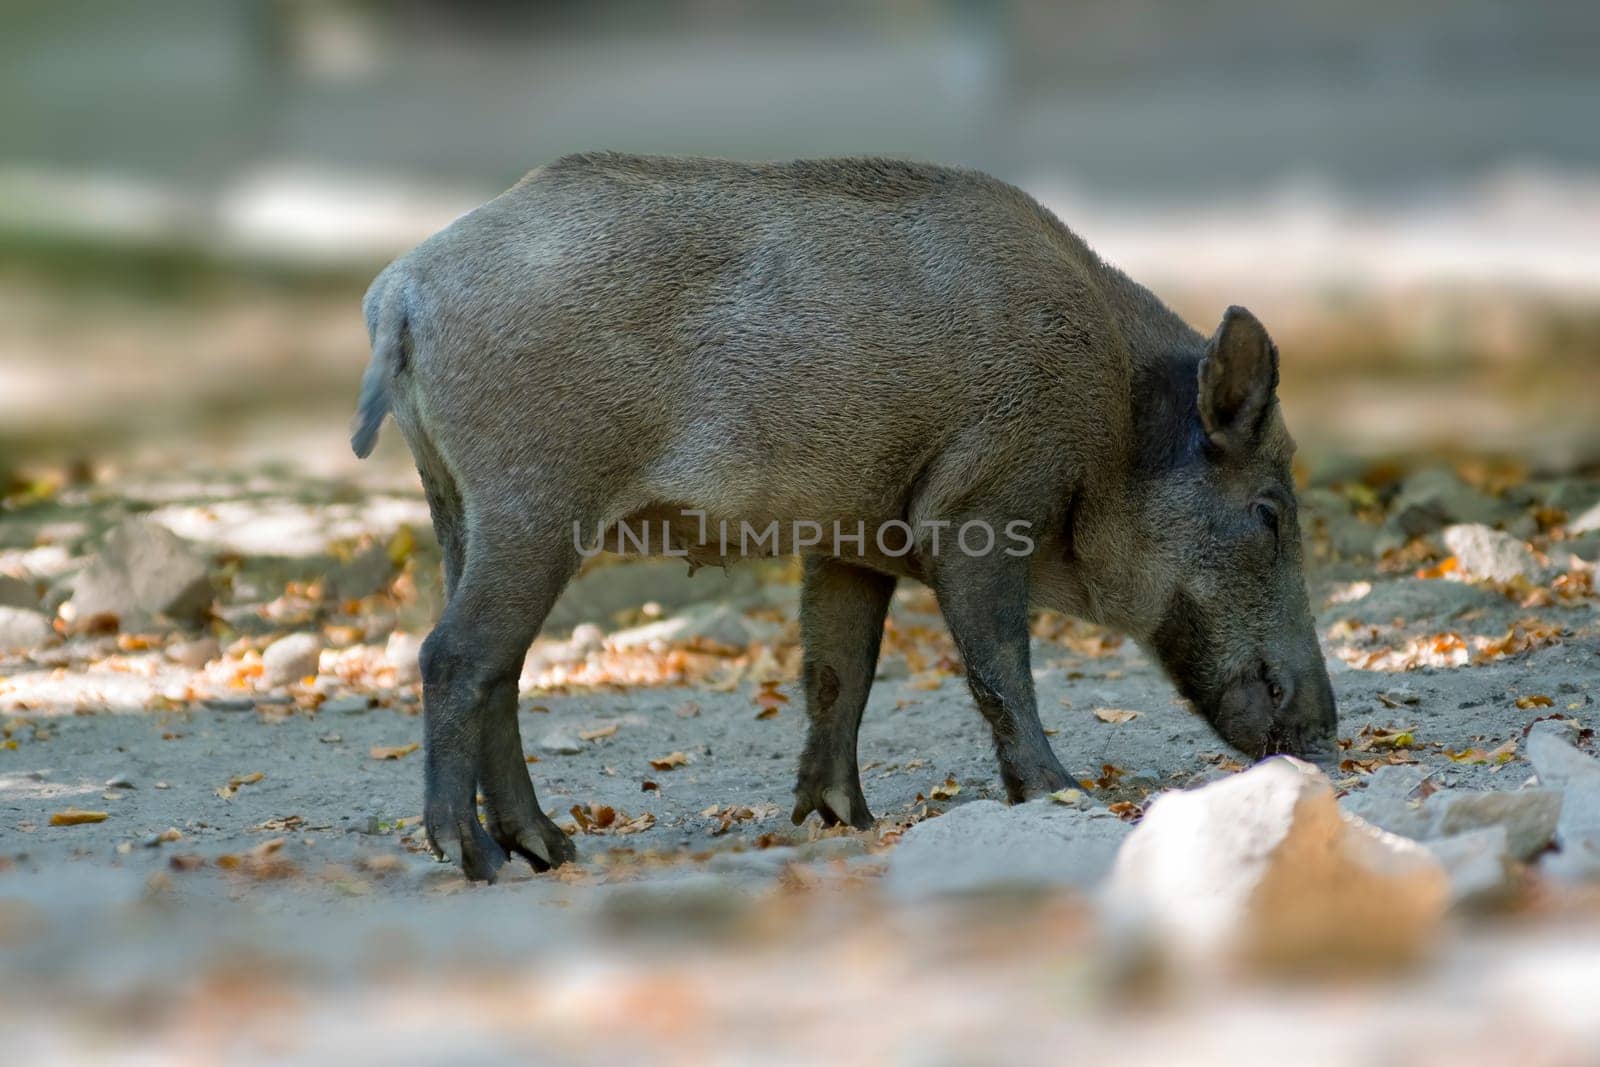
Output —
(1166, 415)
(1217, 515)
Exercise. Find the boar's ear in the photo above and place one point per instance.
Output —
(1238, 377)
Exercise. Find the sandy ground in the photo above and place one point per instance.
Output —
(290, 912)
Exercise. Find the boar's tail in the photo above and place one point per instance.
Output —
(386, 312)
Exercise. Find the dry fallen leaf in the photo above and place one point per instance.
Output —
(669, 761)
(1115, 715)
(77, 817)
(393, 751)
(598, 732)
(945, 791)
(401, 545)
(1536, 700)
(769, 699)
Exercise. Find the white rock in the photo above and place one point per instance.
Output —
(586, 638)
(143, 571)
(401, 652)
(1477, 864)
(561, 744)
(1588, 522)
(1529, 817)
(1487, 554)
(289, 659)
(22, 630)
(717, 624)
(989, 847)
(1263, 869)
(1559, 764)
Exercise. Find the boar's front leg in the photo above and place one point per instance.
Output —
(470, 666)
(841, 626)
(984, 599)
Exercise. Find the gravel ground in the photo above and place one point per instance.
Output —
(257, 888)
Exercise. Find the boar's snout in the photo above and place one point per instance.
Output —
(1288, 711)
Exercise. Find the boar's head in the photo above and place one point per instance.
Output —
(1213, 586)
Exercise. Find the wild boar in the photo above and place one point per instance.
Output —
(908, 354)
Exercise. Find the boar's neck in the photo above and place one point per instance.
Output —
(1116, 582)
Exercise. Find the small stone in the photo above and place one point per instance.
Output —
(290, 659)
(120, 781)
(1436, 497)
(1528, 817)
(16, 593)
(345, 705)
(1144, 778)
(715, 624)
(402, 654)
(195, 654)
(1263, 869)
(1560, 765)
(586, 638)
(1489, 555)
(893, 669)
(1477, 864)
(228, 704)
(143, 571)
(22, 630)
(986, 847)
(560, 744)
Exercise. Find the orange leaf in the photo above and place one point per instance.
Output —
(76, 817)
(393, 751)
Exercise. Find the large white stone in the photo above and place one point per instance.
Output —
(1487, 554)
(143, 573)
(1264, 869)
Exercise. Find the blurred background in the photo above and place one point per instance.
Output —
(194, 194)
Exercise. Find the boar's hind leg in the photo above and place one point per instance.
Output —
(985, 603)
(841, 626)
(470, 666)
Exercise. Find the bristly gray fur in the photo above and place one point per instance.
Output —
(832, 341)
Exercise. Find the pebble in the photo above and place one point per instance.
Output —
(22, 630)
(401, 652)
(560, 744)
(290, 659)
(196, 653)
